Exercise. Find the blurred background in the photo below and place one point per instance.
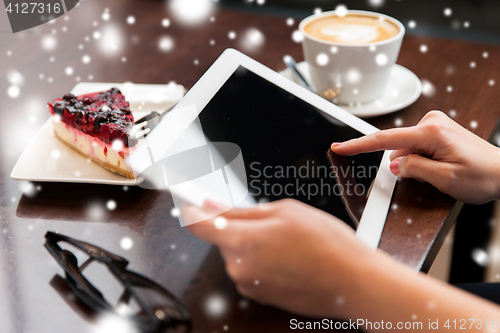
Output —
(466, 19)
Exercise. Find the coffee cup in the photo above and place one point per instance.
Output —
(351, 54)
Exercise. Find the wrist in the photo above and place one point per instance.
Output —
(357, 273)
(376, 279)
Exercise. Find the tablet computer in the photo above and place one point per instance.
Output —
(245, 134)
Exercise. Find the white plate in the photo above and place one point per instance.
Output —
(403, 89)
(47, 159)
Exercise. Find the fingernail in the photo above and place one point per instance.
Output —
(336, 144)
(394, 166)
(212, 205)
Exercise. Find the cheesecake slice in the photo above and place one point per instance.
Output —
(98, 126)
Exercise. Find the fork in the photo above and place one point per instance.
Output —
(146, 124)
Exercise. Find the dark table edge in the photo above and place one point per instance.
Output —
(449, 221)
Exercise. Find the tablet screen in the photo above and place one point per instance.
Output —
(284, 142)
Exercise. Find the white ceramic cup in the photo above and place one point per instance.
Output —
(350, 73)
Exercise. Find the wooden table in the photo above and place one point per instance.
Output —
(31, 295)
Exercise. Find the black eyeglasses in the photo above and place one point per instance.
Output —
(169, 313)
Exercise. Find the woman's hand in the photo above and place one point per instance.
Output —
(438, 151)
(300, 259)
(288, 254)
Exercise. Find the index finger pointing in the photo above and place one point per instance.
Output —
(391, 139)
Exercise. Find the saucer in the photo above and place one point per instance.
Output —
(403, 89)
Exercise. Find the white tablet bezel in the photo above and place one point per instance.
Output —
(373, 219)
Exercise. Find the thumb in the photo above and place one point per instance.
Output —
(421, 168)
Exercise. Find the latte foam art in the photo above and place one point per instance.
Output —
(351, 33)
(351, 29)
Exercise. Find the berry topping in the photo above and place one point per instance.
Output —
(105, 109)
(114, 91)
(68, 97)
(59, 107)
(98, 121)
(105, 115)
(79, 115)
